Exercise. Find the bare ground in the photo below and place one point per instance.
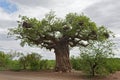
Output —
(50, 75)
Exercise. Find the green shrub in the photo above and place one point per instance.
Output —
(17, 61)
(94, 56)
(76, 63)
(47, 64)
(51, 64)
(113, 65)
(15, 66)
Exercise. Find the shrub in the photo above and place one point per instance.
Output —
(76, 63)
(94, 56)
(113, 64)
(47, 64)
(15, 66)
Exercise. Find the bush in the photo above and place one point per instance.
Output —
(30, 61)
(110, 65)
(113, 65)
(47, 64)
(4, 61)
(15, 66)
(76, 63)
(51, 64)
(18, 61)
(94, 56)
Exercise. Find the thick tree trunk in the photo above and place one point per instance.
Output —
(62, 58)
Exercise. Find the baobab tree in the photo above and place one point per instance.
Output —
(59, 34)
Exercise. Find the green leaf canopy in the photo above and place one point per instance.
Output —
(51, 30)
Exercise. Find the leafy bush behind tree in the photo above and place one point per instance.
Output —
(17, 61)
(112, 64)
(9, 63)
(76, 63)
(94, 57)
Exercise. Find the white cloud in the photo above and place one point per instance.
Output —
(106, 13)
(4, 15)
(37, 12)
(3, 30)
(51, 3)
(117, 35)
(34, 3)
(37, 8)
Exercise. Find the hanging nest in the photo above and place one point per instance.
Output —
(26, 25)
(81, 23)
(106, 35)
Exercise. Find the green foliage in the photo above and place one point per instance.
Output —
(51, 64)
(51, 32)
(24, 62)
(47, 64)
(43, 64)
(33, 61)
(15, 65)
(4, 60)
(76, 63)
(93, 57)
(30, 61)
(106, 65)
(51, 29)
(113, 64)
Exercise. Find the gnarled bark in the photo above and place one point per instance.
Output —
(62, 58)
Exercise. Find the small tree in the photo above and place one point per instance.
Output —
(58, 34)
(23, 62)
(76, 63)
(30, 61)
(5, 60)
(2, 59)
(33, 61)
(94, 57)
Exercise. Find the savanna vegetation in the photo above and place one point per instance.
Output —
(96, 59)
(18, 61)
(33, 62)
(59, 34)
(111, 65)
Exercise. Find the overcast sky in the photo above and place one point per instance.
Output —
(103, 12)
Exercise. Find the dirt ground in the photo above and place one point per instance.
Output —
(50, 75)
